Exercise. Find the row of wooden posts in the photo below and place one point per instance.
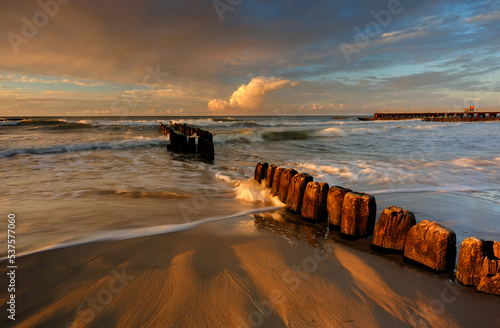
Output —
(185, 141)
(427, 243)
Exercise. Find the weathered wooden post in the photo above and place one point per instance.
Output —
(260, 172)
(314, 202)
(490, 275)
(276, 181)
(392, 228)
(296, 192)
(334, 203)
(270, 175)
(358, 215)
(286, 178)
(470, 261)
(431, 245)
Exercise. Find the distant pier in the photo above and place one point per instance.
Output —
(439, 115)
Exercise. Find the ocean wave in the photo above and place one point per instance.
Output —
(71, 126)
(476, 163)
(52, 124)
(221, 122)
(342, 171)
(461, 189)
(9, 123)
(147, 194)
(250, 190)
(226, 179)
(224, 119)
(286, 123)
(250, 136)
(128, 123)
(464, 174)
(42, 122)
(104, 145)
(366, 173)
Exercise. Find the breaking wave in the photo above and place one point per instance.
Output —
(249, 136)
(250, 190)
(103, 145)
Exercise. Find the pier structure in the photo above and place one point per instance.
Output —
(441, 114)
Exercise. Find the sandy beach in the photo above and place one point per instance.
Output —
(251, 271)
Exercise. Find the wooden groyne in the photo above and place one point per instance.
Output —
(439, 115)
(189, 140)
(426, 244)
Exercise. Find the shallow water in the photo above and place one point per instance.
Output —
(67, 179)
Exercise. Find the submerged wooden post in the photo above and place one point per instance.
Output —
(184, 142)
(260, 172)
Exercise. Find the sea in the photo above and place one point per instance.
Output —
(73, 180)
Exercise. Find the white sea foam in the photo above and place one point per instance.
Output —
(250, 190)
(478, 164)
(225, 178)
(331, 132)
(342, 171)
(9, 123)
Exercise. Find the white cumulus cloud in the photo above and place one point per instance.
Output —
(251, 95)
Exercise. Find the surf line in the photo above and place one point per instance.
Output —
(147, 231)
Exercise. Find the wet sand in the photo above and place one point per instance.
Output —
(244, 272)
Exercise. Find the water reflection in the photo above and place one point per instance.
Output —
(292, 227)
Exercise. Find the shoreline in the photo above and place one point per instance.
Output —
(272, 277)
(430, 205)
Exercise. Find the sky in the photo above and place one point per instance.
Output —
(246, 57)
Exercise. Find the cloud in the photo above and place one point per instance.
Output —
(26, 79)
(483, 17)
(399, 36)
(251, 95)
(422, 79)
